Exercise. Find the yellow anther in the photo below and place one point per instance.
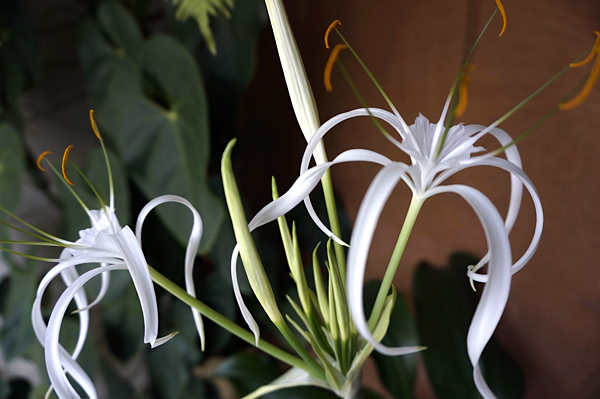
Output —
(40, 158)
(94, 127)
(463, 98)
(64, 165)
(328, 31)
(503, 13)
(592, 79)
(329, 66)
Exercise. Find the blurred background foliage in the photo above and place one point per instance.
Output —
(167, 100)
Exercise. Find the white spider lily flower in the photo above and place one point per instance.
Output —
(425, 177)
(112, 247)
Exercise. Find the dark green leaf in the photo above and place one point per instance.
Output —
(12, 165)
(397, 373)
(445, 305)
(169, 368)
(157, 119)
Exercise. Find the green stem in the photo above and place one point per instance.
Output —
(334, 223)
(411, 216)
(229, 325)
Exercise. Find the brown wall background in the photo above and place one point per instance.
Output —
(415, 47)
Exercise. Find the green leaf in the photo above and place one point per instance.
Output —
(445, 304)
(150, 101)
(18, 290)
(12, 165)
(397, 373)
(200, 10)
(169, 368)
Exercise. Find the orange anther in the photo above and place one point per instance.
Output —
(40, 158)
(64, 165)
(463, 99)
(329, 66)
(328, 31)
(592, 79)
(503, 13)
(94, 127)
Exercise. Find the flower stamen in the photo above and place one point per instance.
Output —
(329, 66)
(503, 13)
(40, 159)
(463, 98)
(592, 79)
(94, 127)
(64, 164)
(329, 29)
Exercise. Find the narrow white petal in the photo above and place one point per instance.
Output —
(495, 293)
(539, 214)
(138, 269)
(240, 299)
(56, 356)
(190, 252)
(103, 289)
(327, 126)
(69, 275)
(362, 234)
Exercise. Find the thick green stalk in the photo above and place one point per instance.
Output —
(409, 222)
(229, 325)
(334, 223)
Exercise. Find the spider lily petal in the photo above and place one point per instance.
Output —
(495, 294)
(190, 253)
(362, 234)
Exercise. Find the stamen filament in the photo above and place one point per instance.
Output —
(91, 186)
(592, 79)
(503, 13)
(41, 158)
(110, 177)
(64, 165)
(329, 66)
(329, 29)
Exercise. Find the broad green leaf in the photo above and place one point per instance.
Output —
(18, 291)
(201, 10)
(169, 369)
(12, 165)
(151, 104)
(445, 304)
(18, 59)
(397, 373)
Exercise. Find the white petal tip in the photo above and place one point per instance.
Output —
(163, 340)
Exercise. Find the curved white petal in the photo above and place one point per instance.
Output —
(366, 221)
(239, 298)
(327, 126)
(103, 289)
(305, 183)
(138, 269)
(58, 361)
(539, 214)
(69, 275)
(495, 293)
(190, 252)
